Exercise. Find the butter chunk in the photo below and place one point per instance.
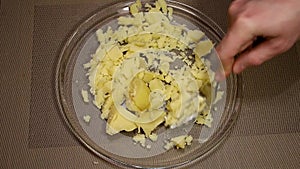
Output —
(85, 96)
(169, 145)
(201, 75)
(155, 17)
(189, 140)
(135, 7)
(195, 35)
(170, 120)
(156, 100)
(163, 5)
(87, 118)
(179, 142)
(149, 127)
(99, 98)
(164, 67)
(205, 119)
(139, 93)
(140, 138)
(115, 54)
(153, 137)
(168, 78)
(148, 76)
(116, 123)
(156, 84)
(192, 86)
(203, 48)
(106, 108)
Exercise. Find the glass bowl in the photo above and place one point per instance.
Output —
(119, 149)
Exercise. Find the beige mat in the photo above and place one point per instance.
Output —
(34, 136)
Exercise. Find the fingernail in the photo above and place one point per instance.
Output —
(237, 69)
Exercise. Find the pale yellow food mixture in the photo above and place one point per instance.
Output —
(179, 142)
(133, 78)
(85, 96)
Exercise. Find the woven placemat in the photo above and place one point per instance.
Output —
(271, 91)
(52, 25)
(271, 101)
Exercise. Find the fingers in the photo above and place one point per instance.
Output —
(235, 8)
(240, 35)
(238, 38)
(226, 62)
(259, 54)
(250, 19)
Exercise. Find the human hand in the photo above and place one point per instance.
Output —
(277, 21)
